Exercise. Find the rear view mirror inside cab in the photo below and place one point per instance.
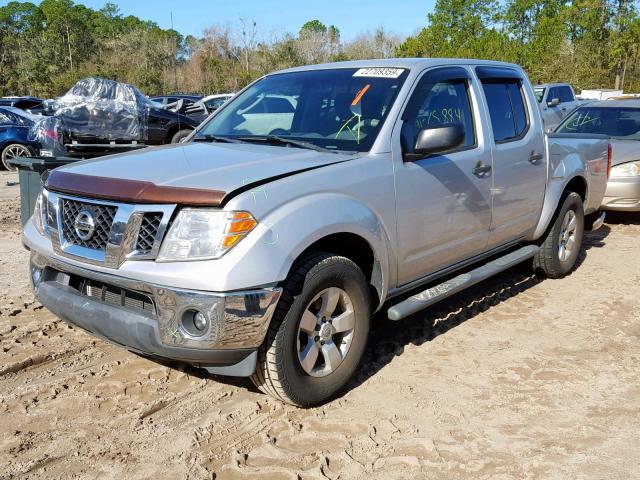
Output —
(437, 139)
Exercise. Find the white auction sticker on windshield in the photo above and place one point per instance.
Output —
(379, 72)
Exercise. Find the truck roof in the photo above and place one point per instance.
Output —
(409, 63)
(547, 85)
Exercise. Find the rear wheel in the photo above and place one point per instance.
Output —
(180, 135)
(318, 334)
(12, 151)
(559, 251)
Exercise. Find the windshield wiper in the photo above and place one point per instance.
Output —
(285, 141)
(215, 138)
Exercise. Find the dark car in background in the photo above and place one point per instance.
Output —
(99, 116)
(14, 129)
(28, 104)
(620, 120)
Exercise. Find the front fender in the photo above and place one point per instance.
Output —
(267, 254)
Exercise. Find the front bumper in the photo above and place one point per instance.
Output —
(148, 319)
(622, 194)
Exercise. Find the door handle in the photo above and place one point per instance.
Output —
(535, 158)
(482, 170)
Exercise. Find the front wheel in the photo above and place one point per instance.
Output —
(12, 151)
(318, 335)
(561, 246)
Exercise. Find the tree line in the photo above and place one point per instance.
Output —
(46, 47)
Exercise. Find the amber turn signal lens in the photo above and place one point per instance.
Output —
(241, 222)
(230, 240)
(241, 226)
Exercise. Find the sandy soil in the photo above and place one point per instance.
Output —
(516, 379)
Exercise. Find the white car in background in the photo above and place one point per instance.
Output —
(214, 102)
(556, 101)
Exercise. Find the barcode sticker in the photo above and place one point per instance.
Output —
(379, 72)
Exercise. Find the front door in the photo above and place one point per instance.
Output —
(443, 201)
(554, 113)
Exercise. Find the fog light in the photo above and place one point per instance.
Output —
(195, 323)
(200, 321)
(36, 276)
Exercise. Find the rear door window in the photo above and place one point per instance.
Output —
(507, 109)
(4, 119)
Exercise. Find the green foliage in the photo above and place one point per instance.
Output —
(46, 47)
(590, 43)
(313, 26)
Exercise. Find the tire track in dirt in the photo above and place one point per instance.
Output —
(517, 378)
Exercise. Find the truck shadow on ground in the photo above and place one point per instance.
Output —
(388, 339)
(623, 218)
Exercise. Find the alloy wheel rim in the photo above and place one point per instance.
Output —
(325, 332)
(15, 151)
(567, 241)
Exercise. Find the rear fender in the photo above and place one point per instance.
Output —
(562, 173)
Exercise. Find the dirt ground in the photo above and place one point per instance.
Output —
(516, 379)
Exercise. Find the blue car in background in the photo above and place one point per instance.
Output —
(14, 129)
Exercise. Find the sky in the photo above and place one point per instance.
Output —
(403, 17)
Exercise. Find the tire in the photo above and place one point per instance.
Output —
(286, 367)
(563, 241)
(180, 135)
(11, 151)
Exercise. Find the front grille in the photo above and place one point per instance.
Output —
(148, 232)
(102, 292)
(103, 216)
(119, 297)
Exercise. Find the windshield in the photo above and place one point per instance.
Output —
(539, 94)
(27, 118)
(617, 122)
(339, 109)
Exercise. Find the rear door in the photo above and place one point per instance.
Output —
(443, 201)
(519, 160)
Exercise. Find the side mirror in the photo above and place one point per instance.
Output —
(553, 102)
(437, 139)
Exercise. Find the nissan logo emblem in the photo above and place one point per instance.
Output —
(84, 225)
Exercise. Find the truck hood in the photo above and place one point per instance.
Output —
(192, 173)
(624, 151)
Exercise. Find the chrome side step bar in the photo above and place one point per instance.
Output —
(439, 292)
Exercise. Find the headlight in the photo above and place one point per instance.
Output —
(631, 169)
(38, 214)
(200, 234)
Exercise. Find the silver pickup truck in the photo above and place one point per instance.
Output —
(316, 197)
(556, 101)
